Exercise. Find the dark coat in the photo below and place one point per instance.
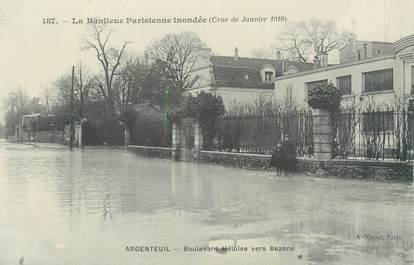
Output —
(276, 160)
(288, 151)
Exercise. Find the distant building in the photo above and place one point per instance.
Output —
(239, 79)
(357, 50)
(377, 78)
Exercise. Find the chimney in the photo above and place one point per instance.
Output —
(323, 60)
(236, 54)
(278, 55)
(352, 39)
(365, 51)
(351, 45)
(316, 62)
(320, 60)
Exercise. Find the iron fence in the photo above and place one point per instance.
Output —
(374, 134)
(151, 132)
(260, 134)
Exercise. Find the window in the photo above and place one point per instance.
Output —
(375, 122)
(379, 80)
(268, 76)
(311, 85)
(246, 76)
(344, 84)
(266, 96)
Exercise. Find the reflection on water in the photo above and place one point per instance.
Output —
(85, 207)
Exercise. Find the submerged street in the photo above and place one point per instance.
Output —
(93, 206)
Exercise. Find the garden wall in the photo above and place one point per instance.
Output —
(242, 160)
(361, 169)
(150, 151)
(353, 169)
(48, 137)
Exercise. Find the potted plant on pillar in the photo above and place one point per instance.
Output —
(324, 100)
(326, 97)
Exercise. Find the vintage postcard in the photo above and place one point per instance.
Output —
(206, 132)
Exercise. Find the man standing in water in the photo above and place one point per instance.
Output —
(288, 151)
(276, 160)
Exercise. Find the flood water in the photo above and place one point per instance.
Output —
(87, 207)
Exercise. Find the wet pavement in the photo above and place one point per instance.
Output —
(100, 206)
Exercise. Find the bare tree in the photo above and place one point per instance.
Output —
(109, 57)
(125, 84)
(47, 98)
(61, 90)
(324, 36)
(21, 99)
(294, 41)
(177, 52)
(301, 39)
(16, 106)
(84, 87)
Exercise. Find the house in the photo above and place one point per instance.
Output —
(239, 79)
(357, 50)
(37, 127)
(374, 79)
(375, 88)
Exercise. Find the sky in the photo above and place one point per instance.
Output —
(34, 54)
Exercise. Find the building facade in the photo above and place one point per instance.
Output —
(357, 50)
(378, 79)
(379, 94)
(239, 80)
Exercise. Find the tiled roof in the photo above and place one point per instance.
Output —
(239, 77)
(245, 72)
(255, 63)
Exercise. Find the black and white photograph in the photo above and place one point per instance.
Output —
(206, 132)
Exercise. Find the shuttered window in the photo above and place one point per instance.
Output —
(379, 80)
(344, 84)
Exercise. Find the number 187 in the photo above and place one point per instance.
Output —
(49, 21)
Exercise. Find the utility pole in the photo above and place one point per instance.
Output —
(165, 125)
(71, 110)
(353, 22)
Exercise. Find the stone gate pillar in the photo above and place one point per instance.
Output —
(127, 136)
(322, 134)
(198, 142)
(175, 141)
(78, 134)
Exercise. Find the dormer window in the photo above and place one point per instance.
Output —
(267, 73)
(268, 76)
